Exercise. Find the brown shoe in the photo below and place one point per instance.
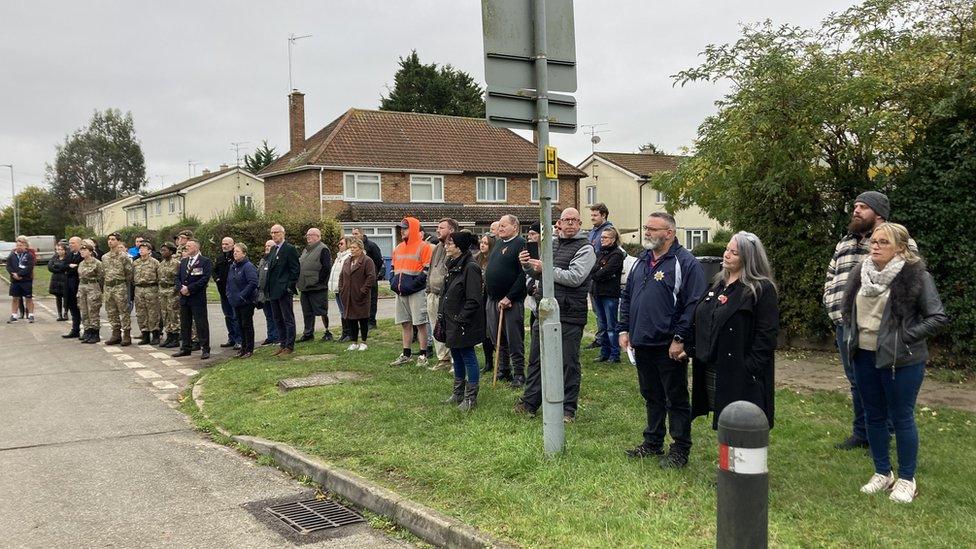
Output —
(285, 351)
(126, 339)
(278, 352)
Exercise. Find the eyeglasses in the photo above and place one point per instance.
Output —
(880, 243)
(647, 228)
(606, 237)
(276, 232)
(570, 220)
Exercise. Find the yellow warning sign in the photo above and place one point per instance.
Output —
(552, 163)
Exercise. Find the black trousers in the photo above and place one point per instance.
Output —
(71, 301)
(664, 385)
(572, 334)
(355, 326)
(245, 319)
(373, 302)
(191, 315)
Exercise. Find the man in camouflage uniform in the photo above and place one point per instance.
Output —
(90, 277)
(169, 298)
(145, 275)
(118, 276)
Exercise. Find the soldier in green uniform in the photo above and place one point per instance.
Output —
(169, 299)
(118, 276)
(145, 276)
(90, 277)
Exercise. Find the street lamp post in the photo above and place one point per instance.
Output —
(13, 194)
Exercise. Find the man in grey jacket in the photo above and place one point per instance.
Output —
(572, 261)
(315, 264)
(435, 285)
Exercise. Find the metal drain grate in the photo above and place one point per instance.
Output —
(314, 515)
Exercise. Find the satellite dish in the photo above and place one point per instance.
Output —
(595, 139)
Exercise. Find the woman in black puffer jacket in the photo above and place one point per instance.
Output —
(462, 317)
(606, 291)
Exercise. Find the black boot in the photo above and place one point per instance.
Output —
(470, 398)
(174, 340)
(85, 336)
(94, 336)
(154, 337)
(144, 340)
(458, 394)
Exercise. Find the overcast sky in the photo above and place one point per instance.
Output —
(198, 75)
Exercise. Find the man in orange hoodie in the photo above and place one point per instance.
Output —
(410, 265)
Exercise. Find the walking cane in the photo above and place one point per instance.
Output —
(498, 346)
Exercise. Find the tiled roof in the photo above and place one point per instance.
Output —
(188, 183)
(640, 163)
(378, 212)
(414, 141)
(111, 202)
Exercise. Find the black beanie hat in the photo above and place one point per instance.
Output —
(463, 240)
(536, 227)
(877, 202)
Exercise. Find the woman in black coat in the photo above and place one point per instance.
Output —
(462, 317)
(606, 291)
(736, 326)
(58, 265)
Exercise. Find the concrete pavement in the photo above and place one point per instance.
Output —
(93, 452)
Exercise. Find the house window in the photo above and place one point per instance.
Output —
(245, 200)
(383, 237)
(491, 189)
(694, 237)
(553, 190)
(661, 199)
(591, 195)
(159, 207)
(427, 188)
(362, 186)
(172, 204)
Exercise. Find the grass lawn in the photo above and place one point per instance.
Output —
(487, 467)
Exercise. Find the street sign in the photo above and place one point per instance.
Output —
(552, 163)
(510, 49)
(511, 108)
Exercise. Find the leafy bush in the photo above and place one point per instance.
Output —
(253, 229)
(712, 249)
(722, 236)
(169, 232)
(632, 248)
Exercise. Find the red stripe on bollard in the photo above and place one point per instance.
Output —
(723, 456)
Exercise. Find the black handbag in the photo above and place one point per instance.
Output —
(440, 332)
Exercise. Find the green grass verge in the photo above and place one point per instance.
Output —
(487, 468)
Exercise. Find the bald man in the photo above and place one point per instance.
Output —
(221, 269)
(315, 265)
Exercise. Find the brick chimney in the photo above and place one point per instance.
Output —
(206, 171)
(224, 166)
(296, 121)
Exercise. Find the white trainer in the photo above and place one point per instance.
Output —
(878, 483)
(904, 491)
(352, 347)
(401, 360)
(422, 361)
(362, 347)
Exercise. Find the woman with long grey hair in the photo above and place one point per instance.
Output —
(736, 325)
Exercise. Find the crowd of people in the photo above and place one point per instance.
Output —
(464, 290)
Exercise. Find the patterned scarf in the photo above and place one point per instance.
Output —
(875, 282)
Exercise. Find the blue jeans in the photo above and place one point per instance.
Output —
(342, 310)
(889, 396)
(466, 361)
(230, 320)
(269, 320)
(858, 430)
(607, 308)
(601, 322)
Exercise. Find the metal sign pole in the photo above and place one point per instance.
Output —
(550, 332)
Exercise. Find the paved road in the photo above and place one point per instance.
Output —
(93, 452)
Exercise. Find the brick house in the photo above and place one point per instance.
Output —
(371, 168)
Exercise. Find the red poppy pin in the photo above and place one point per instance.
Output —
(723, 298)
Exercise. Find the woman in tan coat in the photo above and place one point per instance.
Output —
(355, 291)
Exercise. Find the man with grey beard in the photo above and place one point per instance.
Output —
(656, 311)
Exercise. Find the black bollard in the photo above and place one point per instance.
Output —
(743, 478)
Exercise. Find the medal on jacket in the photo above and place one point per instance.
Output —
(659, 276)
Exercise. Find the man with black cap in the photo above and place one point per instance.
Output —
(871, 208)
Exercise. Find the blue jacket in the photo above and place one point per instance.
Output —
(195, 281)
(21, 264)
(242, 283)
(659, 303)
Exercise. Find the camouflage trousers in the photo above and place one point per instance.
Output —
(89, 303)
(147, 308)
(117, 306)
(169, 307)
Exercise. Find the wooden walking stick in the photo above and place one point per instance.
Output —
(498, 346)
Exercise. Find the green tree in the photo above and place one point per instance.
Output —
(97, 163)
(33, 204)
(263, 157)
(813, 118)
(435, 90)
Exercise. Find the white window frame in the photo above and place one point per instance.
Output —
(591, 195)
(434, 181)
(159, 207)
(379, 236)
(355, 183)
(482, 197)
(172, 204)
(661, 199)
(534, 190)
(693, 234)
(247, 199)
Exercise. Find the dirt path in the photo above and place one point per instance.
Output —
(814, 370)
